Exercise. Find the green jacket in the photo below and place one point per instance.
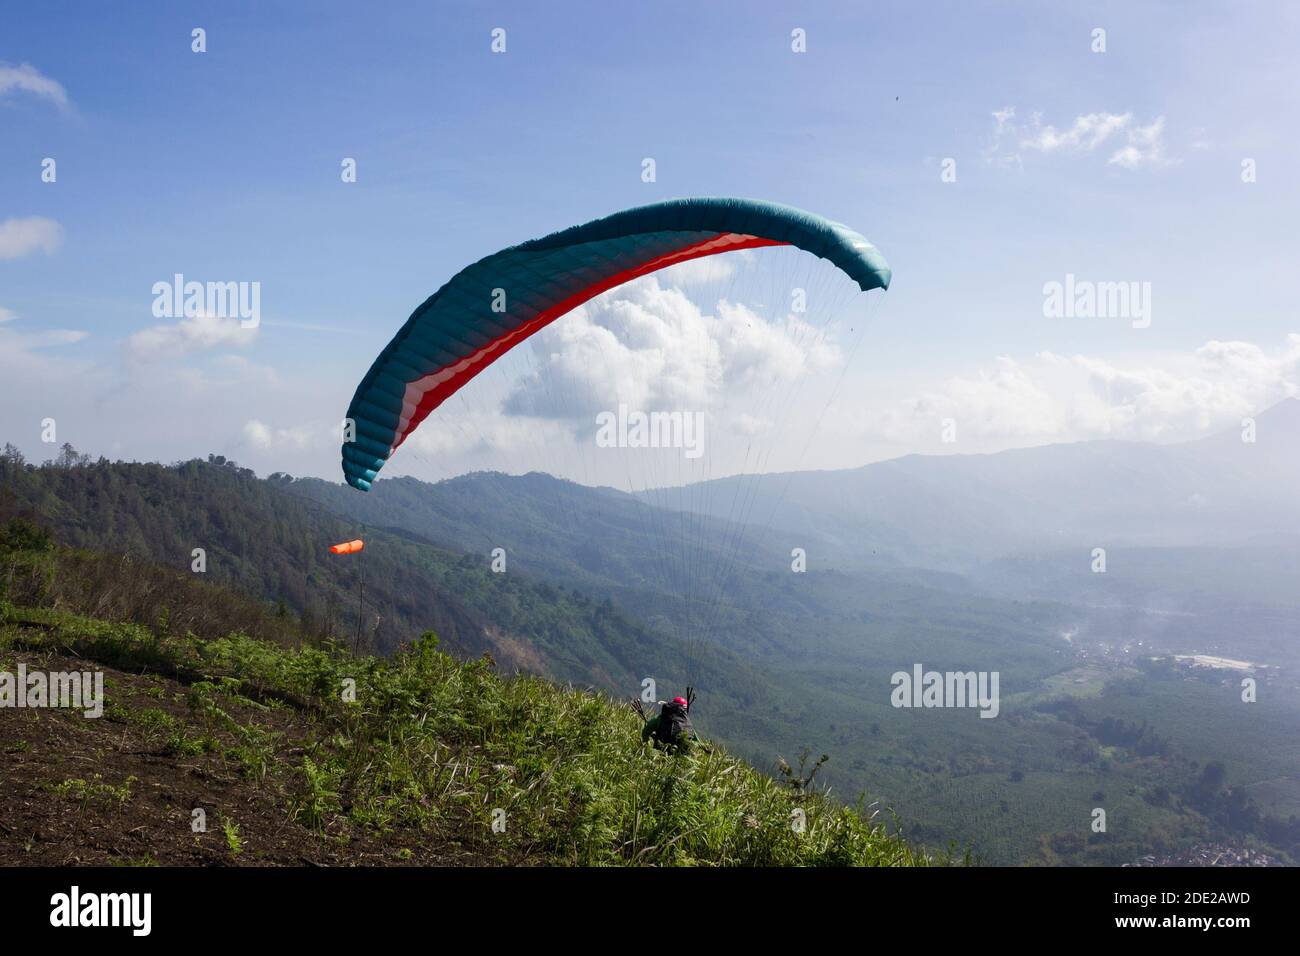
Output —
(651, 726)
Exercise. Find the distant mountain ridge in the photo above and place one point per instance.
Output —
(940, 512)
(954, 511)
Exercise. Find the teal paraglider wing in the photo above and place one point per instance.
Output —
(454, 334)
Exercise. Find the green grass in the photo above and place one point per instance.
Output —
(230, 829)
(94, 790)
(436, 748)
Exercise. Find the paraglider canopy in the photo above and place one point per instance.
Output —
(348, 547)
(457, 333)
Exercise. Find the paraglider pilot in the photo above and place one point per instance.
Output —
(670, 728)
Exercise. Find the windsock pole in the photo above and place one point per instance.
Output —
(361, 602)
(356, 547)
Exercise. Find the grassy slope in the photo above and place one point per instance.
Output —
(269, 543)
(260, 736)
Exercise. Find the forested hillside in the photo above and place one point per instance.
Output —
(263, 540)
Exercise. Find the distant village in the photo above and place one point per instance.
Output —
(1192, 666)
(1211, 854)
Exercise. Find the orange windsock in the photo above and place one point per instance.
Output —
(348, 547)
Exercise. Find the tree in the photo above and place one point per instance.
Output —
(20, 534)
(69, 457)
(1212, 776)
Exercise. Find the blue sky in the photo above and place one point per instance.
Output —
(1115, 166)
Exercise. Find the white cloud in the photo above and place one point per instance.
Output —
(21, 237)
(757, 353)
(53, 337)
(653, 348)
(1085, 134)
(706, 269)
(296, 438)
(28, 79)
(1051, 397)
(191, 334)
(173, 410)
(1145, 147)
(258, 435)
(1003, 401)
(1133, 145)
(1217, 384)
(470, 434)
(15, 344)
(751, 426)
